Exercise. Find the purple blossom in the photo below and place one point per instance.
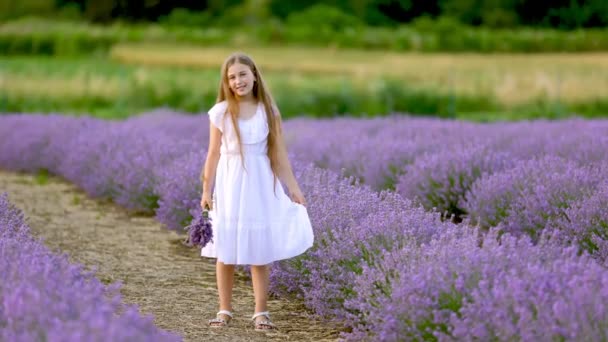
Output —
(545, 294)
(440, 180)
(179, 189)
(585, 223)
(200, 230)
(461, 287)
(352, 225)
(525, 197)
(373, 150)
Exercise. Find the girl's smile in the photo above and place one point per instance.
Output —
(241, 79)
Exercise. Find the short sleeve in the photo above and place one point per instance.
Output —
(216, 114)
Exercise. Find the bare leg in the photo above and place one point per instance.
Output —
(260, 277)
(225, 280)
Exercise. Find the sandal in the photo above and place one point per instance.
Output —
(263, 325)
(220, 322)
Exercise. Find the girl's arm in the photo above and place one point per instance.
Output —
(213, 156)
(285, 171)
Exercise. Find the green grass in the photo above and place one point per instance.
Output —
(42, 177)
(76, 200)
(117, 89)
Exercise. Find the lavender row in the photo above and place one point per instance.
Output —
(45, 298)
(436, 161)
(535, 194)
(441, 180)
(148, 164)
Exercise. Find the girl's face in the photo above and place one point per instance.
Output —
(240, 79)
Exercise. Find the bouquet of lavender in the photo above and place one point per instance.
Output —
(199, 230)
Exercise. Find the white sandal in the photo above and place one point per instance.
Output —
(263, 325)
(220, 322)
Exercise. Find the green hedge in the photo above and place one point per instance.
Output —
(42, 37)
(313, 102)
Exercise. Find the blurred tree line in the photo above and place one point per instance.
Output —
(563, 14)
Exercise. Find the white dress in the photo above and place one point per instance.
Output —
(252, 225)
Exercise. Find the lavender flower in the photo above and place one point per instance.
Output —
(200, 230)
(352, 225)
(440, 180)
(524, 198)
(463, 286)
(585, 223)
(178, 188)
(544, 294)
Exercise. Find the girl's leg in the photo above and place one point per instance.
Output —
(260, 278)
(225, 280)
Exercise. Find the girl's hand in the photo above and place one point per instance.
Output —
(296, 196)
(206, 201)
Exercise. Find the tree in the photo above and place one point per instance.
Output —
(577, 15)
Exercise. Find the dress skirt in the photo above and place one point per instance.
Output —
(253, 222)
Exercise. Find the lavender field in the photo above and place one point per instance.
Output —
(425, 228)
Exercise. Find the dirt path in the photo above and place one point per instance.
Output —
(159, 274)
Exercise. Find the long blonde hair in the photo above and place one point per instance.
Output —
(260, 93)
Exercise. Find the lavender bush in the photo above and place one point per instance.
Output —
(128, 176)
(440, 180)
(461, 287)
(88, 154)
(155, 140)
(555, 299)
(179, 189)
(375, 150)
(524, 198)
(37, 294)
(33, 142)
(585, 223)
(120, 161)
(352, 224)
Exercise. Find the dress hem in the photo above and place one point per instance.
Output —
(279, 258)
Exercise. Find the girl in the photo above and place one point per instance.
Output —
(254, 221)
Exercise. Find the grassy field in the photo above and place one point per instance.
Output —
(314, 81)
(512, 78)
